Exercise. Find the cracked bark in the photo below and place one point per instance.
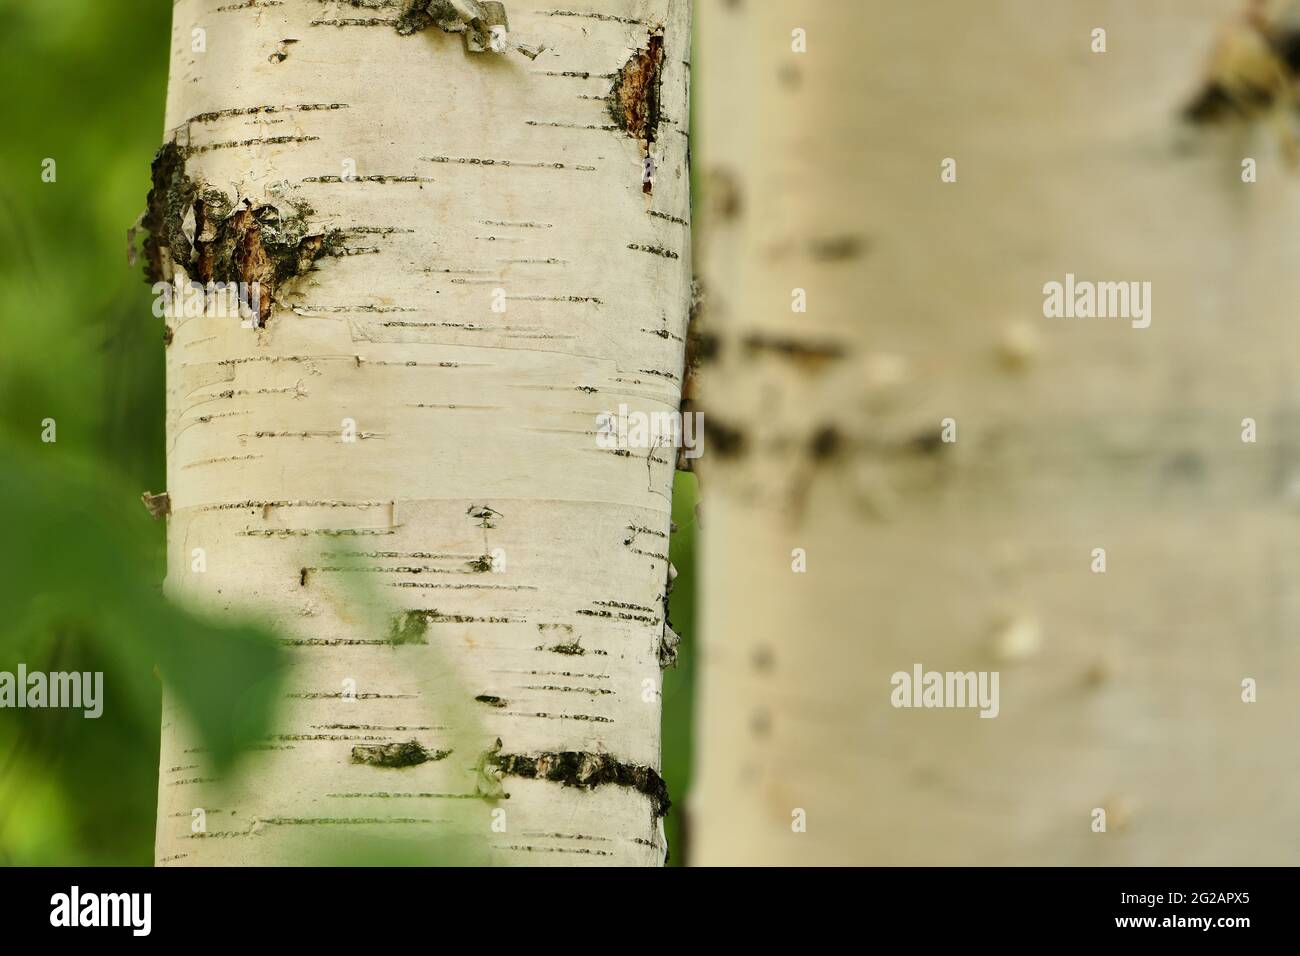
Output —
(473, 495)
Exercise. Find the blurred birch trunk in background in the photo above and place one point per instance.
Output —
(1121, 691)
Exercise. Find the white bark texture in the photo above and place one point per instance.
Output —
(1119, 691)
(521, 567)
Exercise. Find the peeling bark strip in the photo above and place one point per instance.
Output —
(484, 23)
(586, 771)
(668, 644)
(409, 754)
(634, 99)
(215, 239)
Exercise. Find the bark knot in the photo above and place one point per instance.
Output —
(255, 246)
(634, 98)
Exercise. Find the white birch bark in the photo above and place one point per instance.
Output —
(1119, 691)
(530, 563)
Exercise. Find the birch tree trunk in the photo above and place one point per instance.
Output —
(460, 269)
(1120, 691)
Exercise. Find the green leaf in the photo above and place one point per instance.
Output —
(80, 548)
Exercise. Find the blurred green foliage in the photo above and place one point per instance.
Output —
(679, 682)
(81, 562)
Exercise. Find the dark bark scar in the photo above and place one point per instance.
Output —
(217, 239)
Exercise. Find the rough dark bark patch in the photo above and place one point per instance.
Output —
(159, 505)
(408, 754)
(572, 648)
(172, 193)
(837, 248)
(415, 17)
(1215, 103)
(1249, 80)
(634, 99)
(475, 20)
(723, 440)
(826, 443)
(231, 243)
(586, 771)
(808, 352)
(668, 643)
(410, 627)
